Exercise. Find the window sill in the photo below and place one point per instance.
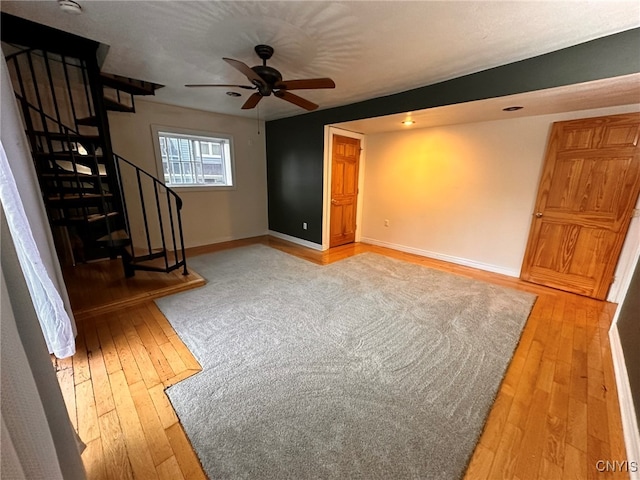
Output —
(199, 188)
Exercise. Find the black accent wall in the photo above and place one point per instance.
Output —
(295, 145)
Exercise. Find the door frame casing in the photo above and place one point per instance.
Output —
(329, 132)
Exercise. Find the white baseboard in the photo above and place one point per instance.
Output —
(296, 240)
(446, 258)
(627, 410)
(228, 238)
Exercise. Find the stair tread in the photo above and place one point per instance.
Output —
(144, 257)
(65, 154)
(81, 169)
(117, 107)
(94, 217)
(117, 235)
(156, 265)
(85, 196)
(68, 162)
(63, 136)
(88, 176)
(88, 121)
(129, 85)
(89, 219)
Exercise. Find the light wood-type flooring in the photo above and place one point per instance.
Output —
(556, 413)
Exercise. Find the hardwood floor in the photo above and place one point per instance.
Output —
(555, 415)
(99, 287)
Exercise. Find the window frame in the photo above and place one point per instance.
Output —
(157, 130)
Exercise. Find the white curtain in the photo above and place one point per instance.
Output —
(54, 320)
(28, 447)
(37, 438)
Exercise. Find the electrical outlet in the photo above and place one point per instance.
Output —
(304, 225)
(386, 223)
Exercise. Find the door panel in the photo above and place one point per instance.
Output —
(589, 187)
(620, 136)
(344, 189)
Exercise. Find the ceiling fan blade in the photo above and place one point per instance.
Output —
(246, 70)
(252, 101)
(306, 84)
(295, 99)
(220, 85)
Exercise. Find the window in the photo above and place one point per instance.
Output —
(194, 159)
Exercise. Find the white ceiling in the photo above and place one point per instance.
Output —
(370, 48)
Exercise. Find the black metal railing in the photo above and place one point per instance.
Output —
(153, 201)
(64, 155)
(71, 172)
(40, 76)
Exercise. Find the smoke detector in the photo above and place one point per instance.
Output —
(69, 6)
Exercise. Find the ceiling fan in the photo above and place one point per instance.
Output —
(267, 80)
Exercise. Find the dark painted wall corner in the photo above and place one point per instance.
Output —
(294, 179)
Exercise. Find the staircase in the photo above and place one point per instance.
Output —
(99, 204)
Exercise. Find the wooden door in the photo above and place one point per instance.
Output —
(344, 190)
(589, 186)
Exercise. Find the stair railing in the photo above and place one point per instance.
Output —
(167, 230)
(164, 238)
(35, 70)
(45, 143)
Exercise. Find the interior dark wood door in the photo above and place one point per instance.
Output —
(344, 190)
(589, 187)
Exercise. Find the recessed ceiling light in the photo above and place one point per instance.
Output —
(512, 109)
(233, 94)
(408, 122)
(69, 6)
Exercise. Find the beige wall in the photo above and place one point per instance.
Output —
(208, 216)
(463, 193)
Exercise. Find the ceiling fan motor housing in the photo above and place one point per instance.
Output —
(269, 75)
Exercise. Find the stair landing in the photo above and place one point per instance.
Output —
(99, 287)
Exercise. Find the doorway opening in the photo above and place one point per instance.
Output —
(342, 187)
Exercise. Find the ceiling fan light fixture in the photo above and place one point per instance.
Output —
(408, 122)
(266, 80)
(69, 6)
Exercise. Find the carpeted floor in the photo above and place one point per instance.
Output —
(363, 369)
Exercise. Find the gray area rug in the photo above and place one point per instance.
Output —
(363, 369)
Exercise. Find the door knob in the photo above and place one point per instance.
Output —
(538, 214)
(334, 201)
